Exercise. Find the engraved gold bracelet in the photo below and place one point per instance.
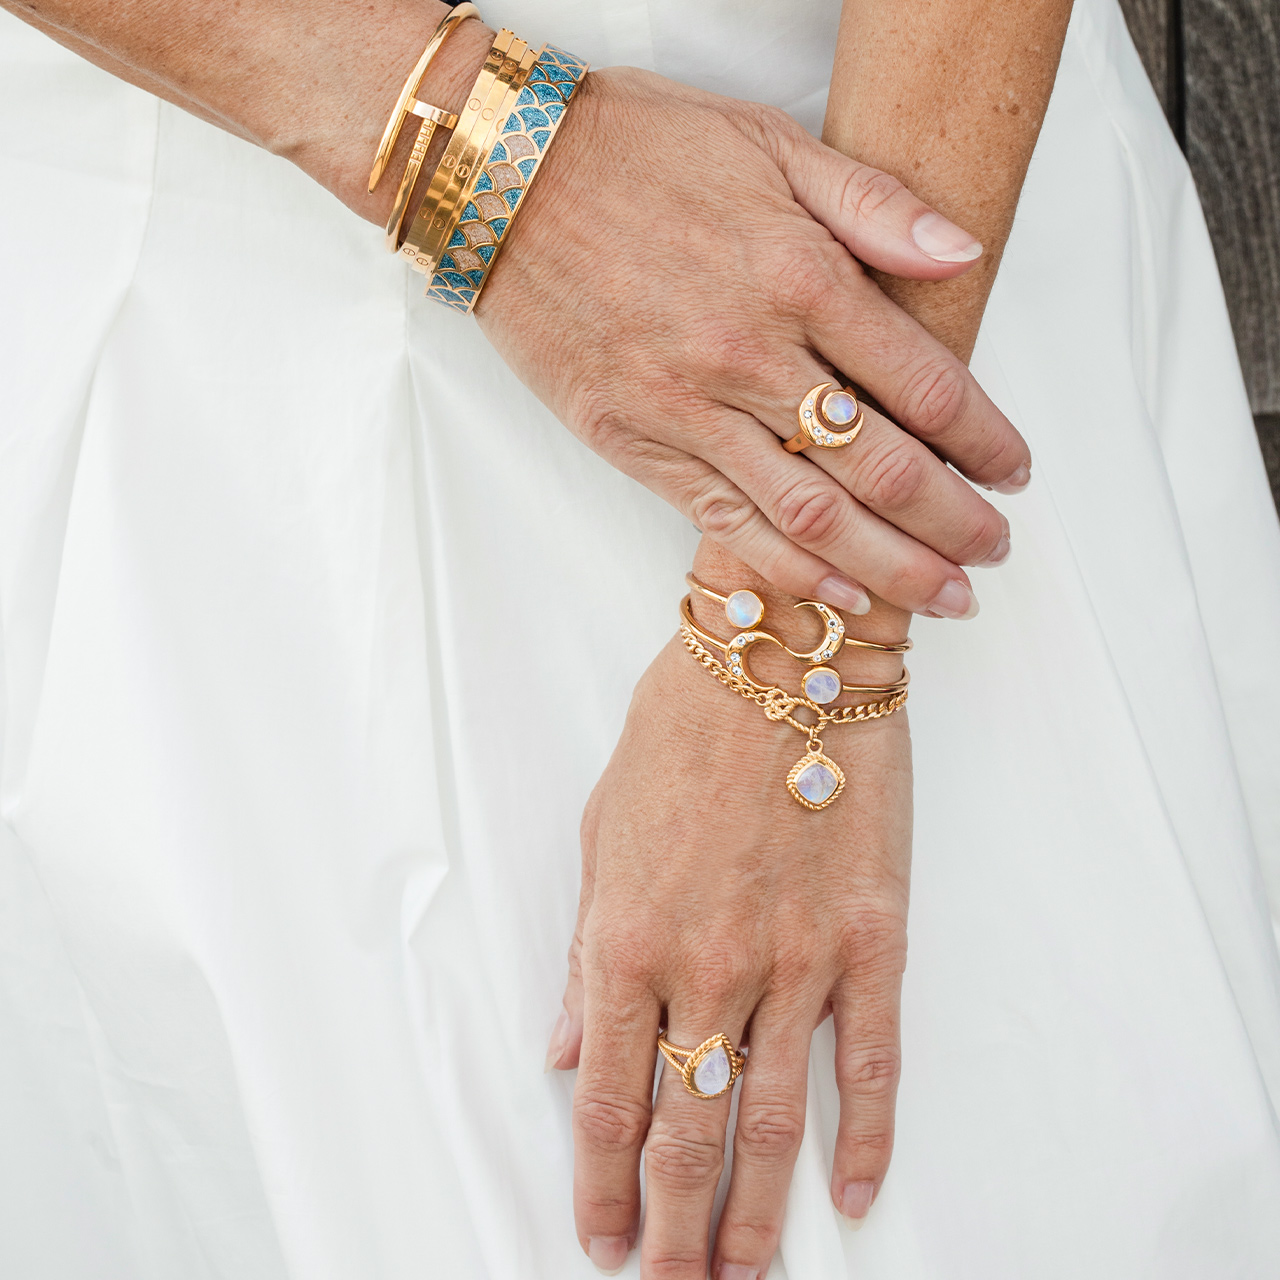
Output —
(431, 117)
(508, 62)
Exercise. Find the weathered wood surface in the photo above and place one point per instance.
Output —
(1149, 24)
(1216, 67)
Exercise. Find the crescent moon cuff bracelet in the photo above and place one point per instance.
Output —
(828, 419)
(815, 780)
(709, 1070)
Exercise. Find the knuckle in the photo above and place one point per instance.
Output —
(720, 509)
(756, 1238)
(728, 353)
(870, 1069)
(681, 1163)
(673, 1264)
(721, 973)
(866, 191)
(808, 511)
(981, 539)
(600, 422)
(609, 1123)
(770, 1134)
(874, 936)
(893, 480)
(803, 280)
(934, 395)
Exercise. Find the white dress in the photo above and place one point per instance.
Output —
(294, 753)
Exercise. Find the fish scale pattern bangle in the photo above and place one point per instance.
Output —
(506, 175)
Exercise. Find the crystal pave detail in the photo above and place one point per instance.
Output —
(815, 780)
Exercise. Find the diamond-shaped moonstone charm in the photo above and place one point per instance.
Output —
(712, 1074)
(744, 609)
(815, 780)
(821, 685)
(839, 408)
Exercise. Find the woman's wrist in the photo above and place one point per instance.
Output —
(884, 624)
(336, 143)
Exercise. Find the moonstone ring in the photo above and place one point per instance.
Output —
(710, 1069)
(829, 419)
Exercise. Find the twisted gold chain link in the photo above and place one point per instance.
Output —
(778, 704)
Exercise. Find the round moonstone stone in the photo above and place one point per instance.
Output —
(839, 408)
(744, 609)
(816, 783)
(821, 685)
(712, 1073)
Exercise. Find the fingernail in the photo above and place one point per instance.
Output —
(955, 600)
(943, 241)
(559, 1037)
(855, 1200)
(608, 1254)
(844, 595)
(1016, 482)
(999, 555)
(736, 1271)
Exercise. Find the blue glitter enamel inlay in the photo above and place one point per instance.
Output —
(484, 222)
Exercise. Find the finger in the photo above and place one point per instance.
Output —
(869, 211)
(866, 1004)
(565, 1044)
(766, 1139)
(719, 508)
(918, 381)
(812, 511)
(684, 1153)
(891, 473)
(611, 1108)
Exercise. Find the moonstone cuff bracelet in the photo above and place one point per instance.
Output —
(815, 779)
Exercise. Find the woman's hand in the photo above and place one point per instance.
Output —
(712, 902)
(684, 270)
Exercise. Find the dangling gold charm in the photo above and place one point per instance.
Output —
(815, 780)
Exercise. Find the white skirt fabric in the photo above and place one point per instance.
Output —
(295, 748)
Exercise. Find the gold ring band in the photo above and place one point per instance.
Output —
(828, 419)
(709, 1070)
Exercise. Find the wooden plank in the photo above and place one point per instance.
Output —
(1268, 425)
(1232, 53)
(1149, 25)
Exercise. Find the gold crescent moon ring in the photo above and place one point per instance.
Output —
(828, 419)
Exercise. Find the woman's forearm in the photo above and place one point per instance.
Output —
(313, 81)
(948, 96)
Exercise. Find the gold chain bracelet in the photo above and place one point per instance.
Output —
(815, 779)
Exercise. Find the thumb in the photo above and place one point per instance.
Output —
(872, 214)
(566, 1036)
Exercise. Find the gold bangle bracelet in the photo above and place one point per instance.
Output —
(447, 25)
(737, 649)
(459, 166)
(745, 609)
(815, 779)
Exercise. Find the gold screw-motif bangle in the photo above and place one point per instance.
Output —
(406, 103)
(815, 779)
(458, 170)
